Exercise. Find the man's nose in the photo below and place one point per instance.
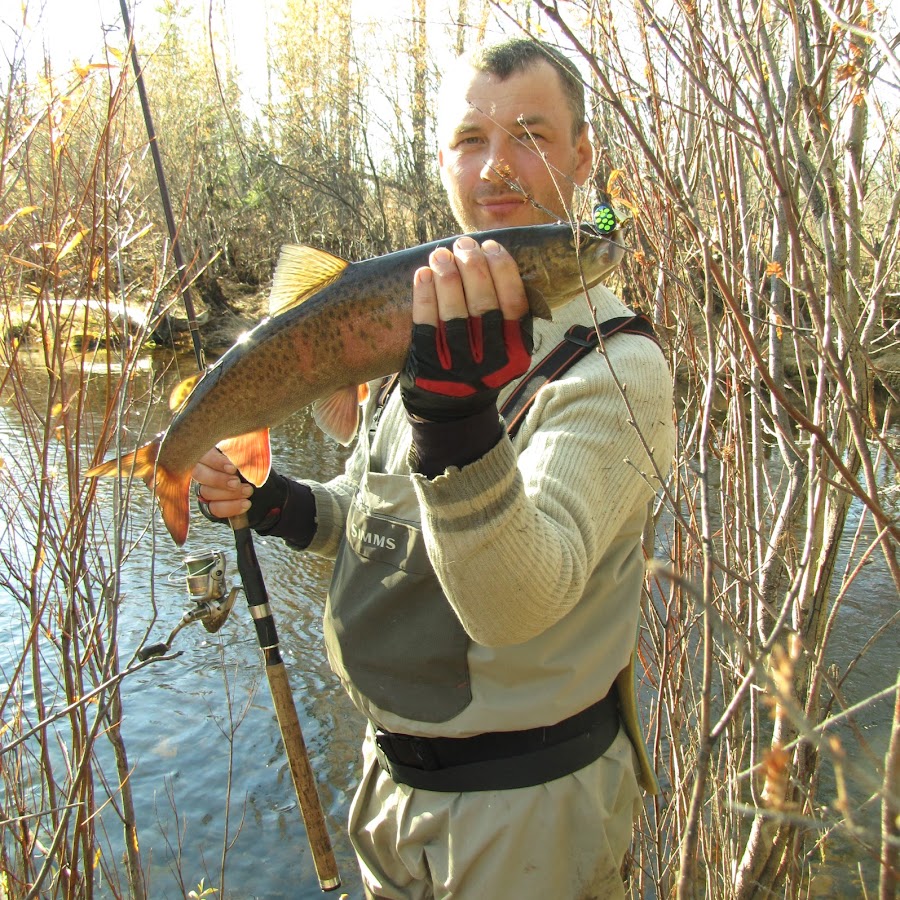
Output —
(496, 167)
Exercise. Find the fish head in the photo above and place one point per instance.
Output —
(557, 262)
(598, 254)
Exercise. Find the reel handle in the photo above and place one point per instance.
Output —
(152, 650)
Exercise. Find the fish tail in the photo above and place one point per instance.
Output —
(172, 489)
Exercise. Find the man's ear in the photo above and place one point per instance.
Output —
(441, 170)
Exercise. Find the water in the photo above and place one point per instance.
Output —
(191, 720)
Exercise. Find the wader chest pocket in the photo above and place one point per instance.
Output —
(389, 629)
(383, 540)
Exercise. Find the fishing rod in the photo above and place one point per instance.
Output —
(206, 586)
(206, 575)
(285, 711)
(183, 289)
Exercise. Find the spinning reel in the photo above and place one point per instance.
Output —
(206, 587)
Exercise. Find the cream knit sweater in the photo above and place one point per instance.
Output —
(514, 536)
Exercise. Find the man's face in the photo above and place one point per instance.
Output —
(506, 148)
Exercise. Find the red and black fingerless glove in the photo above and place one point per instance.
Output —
(458, 369)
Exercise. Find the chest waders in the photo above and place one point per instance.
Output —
(391, 633)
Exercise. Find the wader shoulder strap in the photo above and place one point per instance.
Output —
(388, 383)
(579, 340)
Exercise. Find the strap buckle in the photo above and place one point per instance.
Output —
(582, 336)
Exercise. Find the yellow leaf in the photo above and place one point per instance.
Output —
(114, 53)
(778, 330)
(611, 187)
(775, 268)
(24, 211)
(26, 263)
(135, 237)
(72, 244)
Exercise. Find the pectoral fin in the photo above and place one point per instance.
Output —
(539, 307)
(338, 415)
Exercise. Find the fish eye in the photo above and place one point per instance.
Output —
(587, 233)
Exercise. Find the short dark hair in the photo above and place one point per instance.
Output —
(518, 54)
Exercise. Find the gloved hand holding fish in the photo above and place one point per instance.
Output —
(334, 326)
(463, 350)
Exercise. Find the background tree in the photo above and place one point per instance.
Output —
(764, 241)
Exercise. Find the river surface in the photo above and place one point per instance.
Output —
(189, 721)
(209, 771)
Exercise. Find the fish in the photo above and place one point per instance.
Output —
(333, 327)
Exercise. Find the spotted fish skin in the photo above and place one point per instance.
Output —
(334, 326)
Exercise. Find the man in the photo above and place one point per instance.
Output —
(486, 589)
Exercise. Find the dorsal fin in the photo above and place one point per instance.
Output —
(300, 273)
(182, 391)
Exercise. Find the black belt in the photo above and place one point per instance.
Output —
(501, 760)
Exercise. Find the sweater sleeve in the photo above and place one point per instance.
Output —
(514, 536)
(332, 500)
